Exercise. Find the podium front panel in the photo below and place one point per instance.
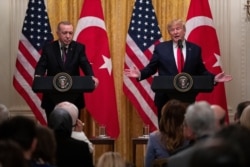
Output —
(79, 84)
(166, 84)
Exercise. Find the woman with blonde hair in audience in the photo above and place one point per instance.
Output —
(163, 142)
(110, 159)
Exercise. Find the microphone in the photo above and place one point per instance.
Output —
(179, 43)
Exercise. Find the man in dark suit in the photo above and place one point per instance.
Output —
(63, 55)
(69, 151)
(165, 62)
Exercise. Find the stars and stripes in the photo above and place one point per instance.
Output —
(36, 32)
(143, 35)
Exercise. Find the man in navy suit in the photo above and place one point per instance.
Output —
(164, 61)
(53, 61)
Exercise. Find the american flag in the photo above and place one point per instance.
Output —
(143, 34)
(36, 32)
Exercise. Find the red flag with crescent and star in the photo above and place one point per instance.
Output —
(91, 31)
(200, 30)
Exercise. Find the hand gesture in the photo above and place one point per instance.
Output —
(95, 80)
(134, 72)
(222, 77)
(79, 125)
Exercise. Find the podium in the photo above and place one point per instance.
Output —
(73, 89)
(79, 84)
(169, 85)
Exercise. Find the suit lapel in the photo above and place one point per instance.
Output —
(172, 59)
(188, 54)
(57, 51)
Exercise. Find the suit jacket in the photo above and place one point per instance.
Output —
(69, 151)
(163, 62)
(182, 158)
(72, 152)
(50, 63)
(156, 149)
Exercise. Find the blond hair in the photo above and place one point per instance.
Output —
(110, 159)
(174, 22)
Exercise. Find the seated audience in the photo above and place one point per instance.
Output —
(70, 152)
(217, 153)
(240, 107)
(199, 124)
(163, 142)
(11, 155)
(21, 130)
(77, 132)
(4, 113)
(111, 159)
(238, 136)
(45, 152)
(220, 116)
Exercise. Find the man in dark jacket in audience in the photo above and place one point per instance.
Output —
(199, 124)
(70, 152)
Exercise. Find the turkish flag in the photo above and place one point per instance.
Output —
(91, 31)
(200, 30)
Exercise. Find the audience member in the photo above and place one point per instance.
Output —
(240, 107)
(245, 117)
(77, 132)
(199, 124)
(217, 153)
(220, 116)
(111, 159)
(45, 152)
(11, 155)
(4, 113)
(239, 136)
(21, 130)
(169, 137)
(70, 152)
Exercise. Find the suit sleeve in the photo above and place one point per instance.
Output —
(41, 65)
(151, 68)
(84, 62)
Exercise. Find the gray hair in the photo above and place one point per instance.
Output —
(71, 109)
(200, 118)
(4, 113)
(63, 23)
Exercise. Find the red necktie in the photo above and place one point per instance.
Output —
(180, 59)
